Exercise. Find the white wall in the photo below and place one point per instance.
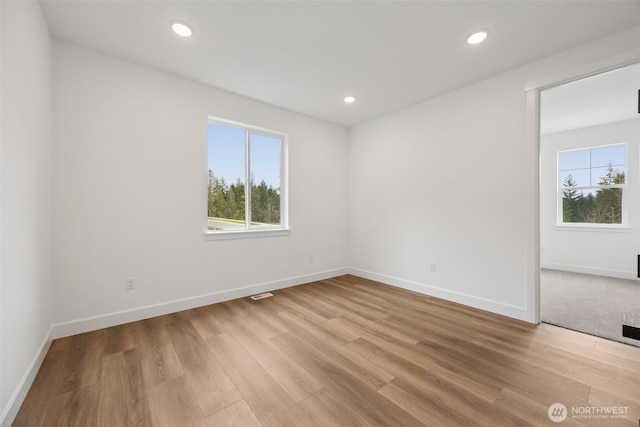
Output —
(26, 204)
(130, 186)
(610, 252)
(448, 180)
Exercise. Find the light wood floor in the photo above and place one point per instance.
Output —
(338, 352)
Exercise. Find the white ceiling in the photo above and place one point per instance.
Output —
(605, 98)
(306, 56)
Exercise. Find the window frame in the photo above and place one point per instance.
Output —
(624, 224)
(249, 232)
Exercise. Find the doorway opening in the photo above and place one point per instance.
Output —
(589, 202)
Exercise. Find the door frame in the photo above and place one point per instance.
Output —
(532, 156)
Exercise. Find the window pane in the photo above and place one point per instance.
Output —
(596, 205)
(614, 155)
(603, 206)
(574, 160)
(608, 175)
(226, 186)
(265, 155)
(580, 178)
(244, 182)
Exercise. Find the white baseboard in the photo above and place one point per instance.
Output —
(618, 274)
(10, 411)
(470, 300)
(93, 323)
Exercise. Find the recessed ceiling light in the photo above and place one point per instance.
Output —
(478, 37)
(349, 99)
(181, 29)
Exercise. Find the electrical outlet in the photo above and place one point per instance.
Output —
(311, 258)
(129, 284)
(432, 267)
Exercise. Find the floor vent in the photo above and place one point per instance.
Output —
(631, 325)
(261, 296)
(632, 332)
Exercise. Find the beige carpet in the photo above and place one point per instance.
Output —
(586, 303)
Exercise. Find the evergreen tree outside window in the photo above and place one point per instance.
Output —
(592, 182)
(245, 185)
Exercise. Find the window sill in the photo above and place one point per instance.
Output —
(613, 228)
(245, 234)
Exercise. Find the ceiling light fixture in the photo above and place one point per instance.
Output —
(350, 99)
(181, 29)
(478, 37)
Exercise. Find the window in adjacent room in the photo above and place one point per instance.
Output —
(246, 185)
(592, 183)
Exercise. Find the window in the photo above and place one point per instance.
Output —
(592, 183)
(246, 185)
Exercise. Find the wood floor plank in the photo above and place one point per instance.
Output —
(272, 306)
(76, 408)
(328, 410)
(601, 398)
(45, 388)
(270, 324)
(342, 305)
(83, 360)
(533, 412)
(380, 328)
(423, 406)
(413, 330)
(390, 298)
(301, 297)
(240, 307)
(294, 379)
(605, 376)
(607, 358)
(422, 372)
(572, 370)
(321, 328)
(213, 389)
(158, 359)
(401, 360)
(367, 403)
(172, 403)
(152, 331)
(384, 296)
(264, 321)
(548, 334)
(60, 344)
(205, 321)
(271, 404)
(237, 415)
(524, 375)
(372, 375)
(122, 399)
(618, 349)
(117, 339)
(159, 363)
(602, 421)
(342, 351)
(302, 309)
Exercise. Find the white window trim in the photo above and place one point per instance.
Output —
(246, 233)
(585, 226)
